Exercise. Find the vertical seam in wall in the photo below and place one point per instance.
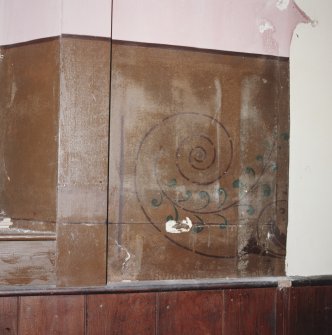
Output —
(18, 315)
(109, 145)
(85, 315)
(58, 158)
(157, 314)
(223, 313)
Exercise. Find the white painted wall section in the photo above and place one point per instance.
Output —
(309, 240)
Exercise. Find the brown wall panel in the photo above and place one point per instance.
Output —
(29, 106)
(8, 316)
(83, 129)
(310, 311)
(81, 254)
(196, 134)
(190, 312)
(133, 313)
(250, 311)
(51, 315)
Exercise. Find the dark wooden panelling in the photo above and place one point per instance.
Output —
(27, 262)
(190, 312)
(81, 254)
(29, 105)
(83, 130)
(250, 312)
(282, 310)
(310, 311)
(8, 316)
(121, 314)
(51, 315)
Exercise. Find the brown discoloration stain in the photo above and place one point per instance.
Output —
(27, 262)
(11, 259)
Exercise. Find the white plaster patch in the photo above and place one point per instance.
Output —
(282, 4)
(265, 26)
(5, 223)
(174, 227)
(128, 256)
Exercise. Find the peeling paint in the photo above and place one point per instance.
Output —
(5, 223)
(264, 26)
(128, 256)
(174, 227)
(282, 4)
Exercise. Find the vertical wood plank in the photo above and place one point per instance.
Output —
(8, 316)
(282, 310)
(51, 315)
(123, 314)
(250, 311)
(310, 311)
(196, 312)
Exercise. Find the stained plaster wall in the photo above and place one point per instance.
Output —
(263, 30)
(309, 247)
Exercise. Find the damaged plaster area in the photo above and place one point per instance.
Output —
(5, 222)
(282, 4)
(175, 227)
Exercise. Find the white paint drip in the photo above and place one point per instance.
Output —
(218, 98)
(126, 251)
(174, 227)
(5, 223)
(282, 4)
(265, 26)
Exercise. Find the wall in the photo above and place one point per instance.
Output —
(309, 245)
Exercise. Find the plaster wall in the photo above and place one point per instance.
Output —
(309, 246)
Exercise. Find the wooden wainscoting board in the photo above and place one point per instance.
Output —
(249, 311)
(121, 314)
(190, 312)
(52, 315)
(8, 315)
(310, 311)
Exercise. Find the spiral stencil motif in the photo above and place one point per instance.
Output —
(180, 165)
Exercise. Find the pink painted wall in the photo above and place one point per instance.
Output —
(87, 17)
(24, 20)
(252, 26)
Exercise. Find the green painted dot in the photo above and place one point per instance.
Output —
(259, 158)
(266, 190)
(172, 183)
(250, 210)
(155, 203)
(274, 166)
(169, 218)
(249, 170)
(197, 229)
(236, 183)
(285, 136)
